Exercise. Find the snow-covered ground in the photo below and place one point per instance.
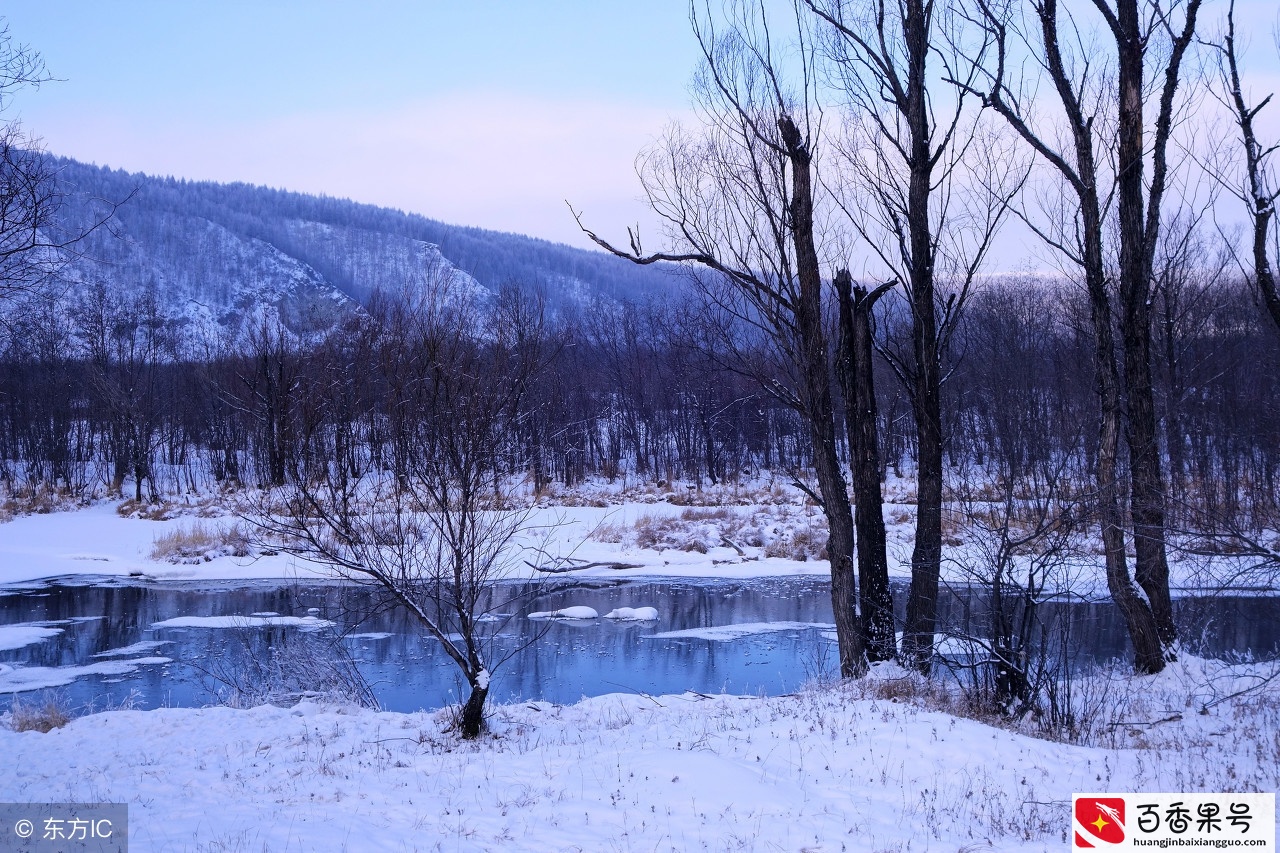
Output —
(626, 539)
(98, 541)
(874, 766)
(829, 769)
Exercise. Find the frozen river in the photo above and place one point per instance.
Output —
(99, 641)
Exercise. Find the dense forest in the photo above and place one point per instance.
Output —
(105, 397)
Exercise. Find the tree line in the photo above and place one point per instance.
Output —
(102, 396)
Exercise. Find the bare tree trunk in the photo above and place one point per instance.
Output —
(471, 718)
(1138, 616)
(1150, 631)
(818, 405)
(926, 556)
(1141, 624)
(1139, 220)
(1263, 276)
(1261, 199)
(855, 369)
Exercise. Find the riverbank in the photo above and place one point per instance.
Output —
(873, 766)
(761, 533)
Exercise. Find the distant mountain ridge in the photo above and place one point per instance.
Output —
(217, 256)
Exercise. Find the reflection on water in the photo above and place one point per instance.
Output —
(570, 660)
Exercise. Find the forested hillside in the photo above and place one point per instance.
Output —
(214, 255)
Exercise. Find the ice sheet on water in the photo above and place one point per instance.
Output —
(736, 632)
(305, 622)
(138, 648)
(578, 612)
(633, 614)
(26, 634)
(26, 678)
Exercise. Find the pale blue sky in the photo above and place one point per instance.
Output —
(480, 113)
(486, 114)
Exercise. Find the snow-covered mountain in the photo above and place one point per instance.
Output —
(218, 257)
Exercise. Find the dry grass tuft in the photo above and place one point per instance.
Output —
(53, 714)
(788, 532)
(200, 543)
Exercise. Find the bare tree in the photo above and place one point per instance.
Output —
(431, 529)
(29, 197)
(267, 392)
(1260, 190)
(855, 368)
(739, 200)
(1016, 515)
(906, 153)
(1090, 99)
(32, 245)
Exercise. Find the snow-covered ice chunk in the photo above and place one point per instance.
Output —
(633, 614)
(579, 612)
(136, 649)
(22, 679)
(735, 632)
(309, 622)
(17, 636)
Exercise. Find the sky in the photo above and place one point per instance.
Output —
(491, 114)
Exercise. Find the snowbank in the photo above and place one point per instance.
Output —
(823, 770)
(95, 543)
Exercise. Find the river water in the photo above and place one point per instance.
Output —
(559, 661)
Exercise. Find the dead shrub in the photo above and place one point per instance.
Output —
(662, 533)
(149, 511)
(51, 714)
(612, 533)
(200, 543)
(719, 513)
(802, 539)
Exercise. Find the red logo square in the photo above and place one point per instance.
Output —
(1098, 819)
